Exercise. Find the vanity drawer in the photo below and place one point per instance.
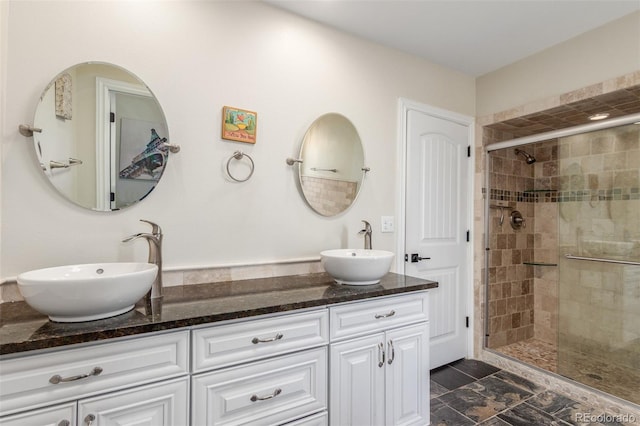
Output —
(58, 415)
(238, 342)
(358, 318)
(269, 392)
(48, 378)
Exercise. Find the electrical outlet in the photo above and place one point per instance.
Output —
(387, 224)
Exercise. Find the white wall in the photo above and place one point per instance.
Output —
(602, 54)
(197, 57)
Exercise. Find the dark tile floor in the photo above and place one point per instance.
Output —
(470, 392)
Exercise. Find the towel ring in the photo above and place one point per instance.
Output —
(238, 156)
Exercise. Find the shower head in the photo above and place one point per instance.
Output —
(529, 158)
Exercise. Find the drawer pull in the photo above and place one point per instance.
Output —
(387, 315)
(59, 379)
(256, 340)
(275, 393)
(89, 419)
(380, 355)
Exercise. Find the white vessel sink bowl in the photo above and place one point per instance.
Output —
(356, 266)
(88, 292)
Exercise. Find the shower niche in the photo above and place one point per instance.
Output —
(563, 288)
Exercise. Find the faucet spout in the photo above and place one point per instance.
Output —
(367, 235)
(155, 255)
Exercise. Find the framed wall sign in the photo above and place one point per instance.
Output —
(239, 124)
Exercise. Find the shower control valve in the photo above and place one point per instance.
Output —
(517, 221)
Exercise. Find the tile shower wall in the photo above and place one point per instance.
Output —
(523, 279)
(511, 299)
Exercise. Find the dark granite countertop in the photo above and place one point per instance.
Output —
(23, 329)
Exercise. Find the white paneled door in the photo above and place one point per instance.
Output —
(437, 220)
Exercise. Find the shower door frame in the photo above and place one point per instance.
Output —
(512, 143)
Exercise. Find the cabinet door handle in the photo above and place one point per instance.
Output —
(380, 355)
(275, 393)
(64, 422)
(257, 340)
(59, 379)
(392, 352)
(89, 419)
(389, 314)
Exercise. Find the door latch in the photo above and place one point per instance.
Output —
(415, 257)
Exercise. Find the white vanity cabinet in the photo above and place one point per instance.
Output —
(88, 384)
(266, 371)
(361, 363)
(379, 358)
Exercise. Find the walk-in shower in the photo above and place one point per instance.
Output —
(563, 292)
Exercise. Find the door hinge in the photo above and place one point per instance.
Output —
(406, 257)
(112, 117)
(468, 236)
(469, 151)
(112, 197)
(467, 322)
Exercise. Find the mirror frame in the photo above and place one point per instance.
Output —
(361, 170)
(100, 88)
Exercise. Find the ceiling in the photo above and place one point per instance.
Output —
(617, 103)
(472, 36)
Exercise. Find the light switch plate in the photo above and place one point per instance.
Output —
(387, 224)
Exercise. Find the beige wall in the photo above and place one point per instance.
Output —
(197, 57)
(599, 55)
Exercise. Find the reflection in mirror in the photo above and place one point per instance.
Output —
(331, 171)
(103, 138)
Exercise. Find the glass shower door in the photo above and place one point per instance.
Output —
(599, 260)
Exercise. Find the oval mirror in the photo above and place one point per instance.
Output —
(100, 136)
(332, 167)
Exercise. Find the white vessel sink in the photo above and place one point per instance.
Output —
(356, 266)
(75, 293)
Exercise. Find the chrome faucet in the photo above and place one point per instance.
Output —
(367, 235)
(155, 255)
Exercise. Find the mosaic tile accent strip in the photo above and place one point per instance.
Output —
(550, 196)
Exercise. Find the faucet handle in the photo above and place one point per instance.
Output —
(155, 228)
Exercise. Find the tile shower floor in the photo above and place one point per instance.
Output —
(470, 392)
(534, 352)
(609, 377)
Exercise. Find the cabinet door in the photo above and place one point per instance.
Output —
(407, 375)
(160, 404)
(59, 415)
(356, 382)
